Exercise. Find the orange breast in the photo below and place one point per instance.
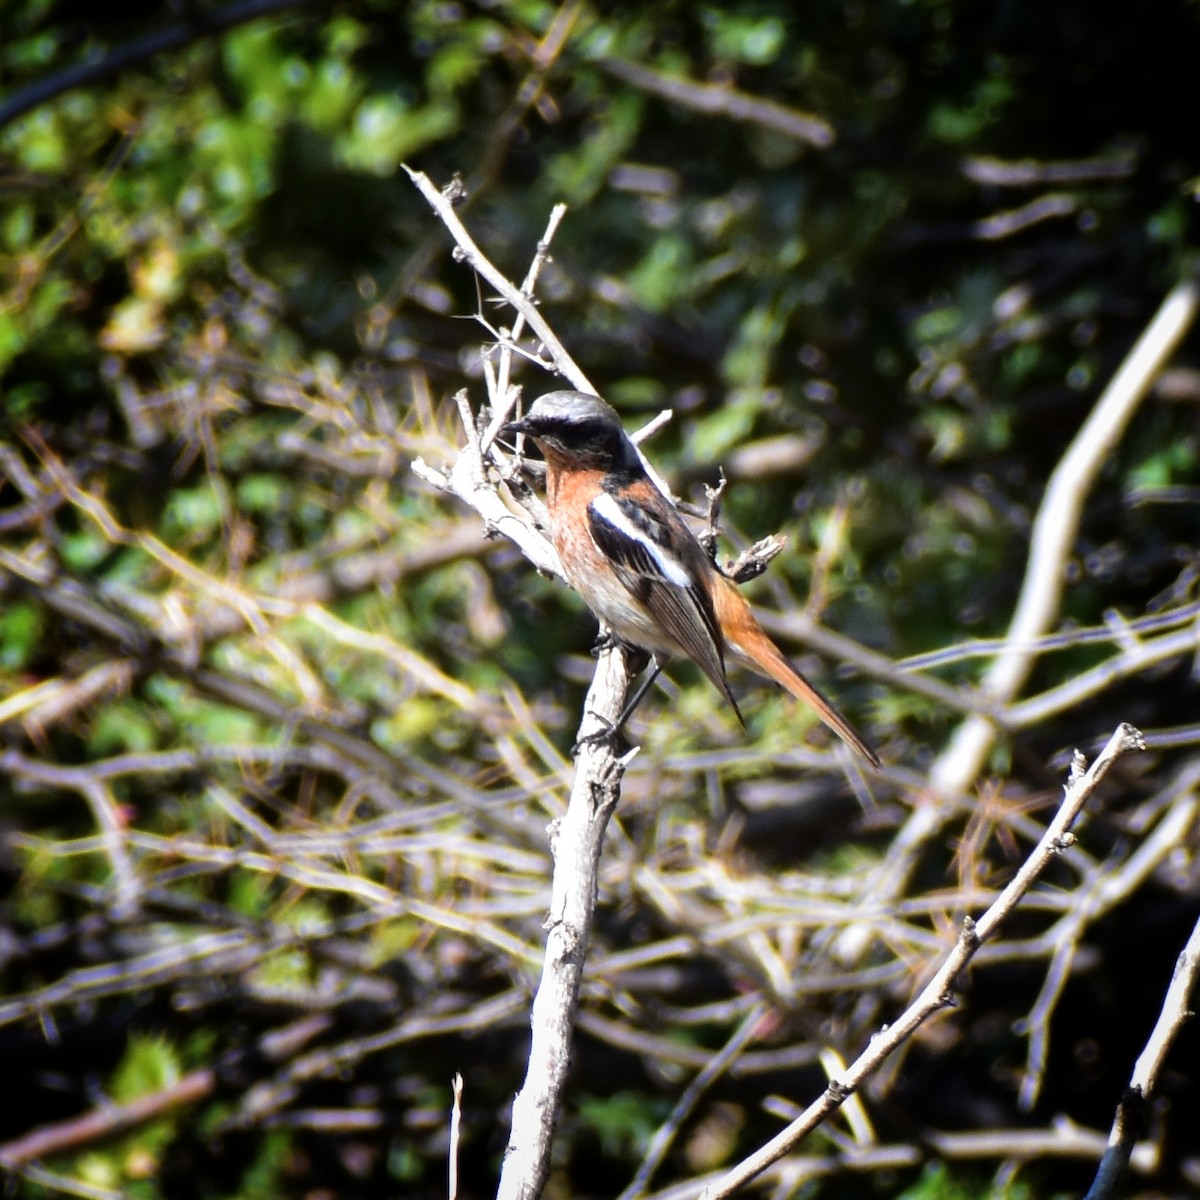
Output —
(568, 494)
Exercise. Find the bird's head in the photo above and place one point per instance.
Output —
(575, 428)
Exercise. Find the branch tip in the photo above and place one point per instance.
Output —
(1131, 738)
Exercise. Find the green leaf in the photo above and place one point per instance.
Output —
(713, 437)
(122, 727)
(150, 1064)
(624, 1122)
(747, 38)
(21, 625)
(191, 515)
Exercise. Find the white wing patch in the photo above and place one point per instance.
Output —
(609, 511)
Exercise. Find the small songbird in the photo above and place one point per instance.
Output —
(640, 569)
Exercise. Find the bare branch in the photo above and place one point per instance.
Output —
(468, 479)
(1053, 536)
(1054, 530)
(579, 838)
(109, 1118)
(716, 1066)
(200, 23)
(938, 993)
(577, 845)
(501, 403)
(479, 262)
(1032, 172)
(725, 101)
(1109, 888)
(455, 1127)
(106, 811)
(1131, 1111)
(1017, 220)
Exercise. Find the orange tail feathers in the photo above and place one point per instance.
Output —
(752, 644)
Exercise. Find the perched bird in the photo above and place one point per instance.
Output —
(638, 566)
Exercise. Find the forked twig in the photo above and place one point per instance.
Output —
(521, 303)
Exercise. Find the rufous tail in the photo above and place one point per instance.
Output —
(746, 636)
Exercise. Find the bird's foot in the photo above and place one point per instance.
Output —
(605, 640)
(609, 732)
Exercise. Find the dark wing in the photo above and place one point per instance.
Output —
(656, 557)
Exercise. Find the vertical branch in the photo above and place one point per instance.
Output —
(577, 846)
(443, 206)
(504, 371)
(455, 1133)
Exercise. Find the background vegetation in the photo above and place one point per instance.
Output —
(283, 731)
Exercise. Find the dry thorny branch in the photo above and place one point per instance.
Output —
(388, 836)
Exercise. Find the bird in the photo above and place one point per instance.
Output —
(626, 550)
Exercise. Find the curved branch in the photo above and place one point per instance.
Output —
(1131, 1111)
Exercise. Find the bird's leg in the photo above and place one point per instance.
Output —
(613, 728)
(638, 696)
(606, 640)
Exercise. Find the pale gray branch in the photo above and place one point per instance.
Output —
(1132, 660)
(938, 993)
(577, 843)
(455, 1132)
(444, 207)
(1054, 531)
(724, 101)
(1109, 889)
(579, 837)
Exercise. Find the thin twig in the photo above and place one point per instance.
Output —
(1131, 660)
(52, 1181)
(200, 23)
(724, 101)
(1111, 886)
(107, 1120)
(1032, 172)
(455, 1131)
(443, 206)
(712, 1070)
(106, 811)
(1062, 1139)
(110, 1118)
(501, 405)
